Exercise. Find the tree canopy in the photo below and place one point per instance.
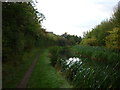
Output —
(104, 34)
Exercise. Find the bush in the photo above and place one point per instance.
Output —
(55, 53)
(58, 52)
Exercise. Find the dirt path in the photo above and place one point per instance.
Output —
(45, 75)
(24, 81)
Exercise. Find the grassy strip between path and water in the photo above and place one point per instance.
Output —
(45, 76)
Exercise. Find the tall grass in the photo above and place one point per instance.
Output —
(97, 53)
(91, 74)
(100, 67)
(58, 52)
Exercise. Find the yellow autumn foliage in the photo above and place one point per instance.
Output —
(113, 39)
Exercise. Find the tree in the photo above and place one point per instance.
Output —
(116, 17)
(22, 29)
(71, 39)
(113, 39)
(89, 41)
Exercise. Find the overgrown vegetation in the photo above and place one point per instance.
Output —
(21, 30)
(22, 33)
(98, 53)
(98, 65)
(98, 69)
(105, 34)
(24, 38)
(13, 71)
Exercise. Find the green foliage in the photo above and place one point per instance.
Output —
(89, 41)
(19, 25)
(62, 41)
(71, 39)
(45, 76)
(97, 68)
(116, 17)
(96, 76)
(13, 71)
(22, 30)
(55, 54)
(100, 32)
(96, 37)
(98, 54)
(113, 39)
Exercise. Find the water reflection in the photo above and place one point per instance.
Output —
(73, 60)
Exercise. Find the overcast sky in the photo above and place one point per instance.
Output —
(74, 16)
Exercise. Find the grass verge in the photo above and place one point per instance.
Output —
(45, 76)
